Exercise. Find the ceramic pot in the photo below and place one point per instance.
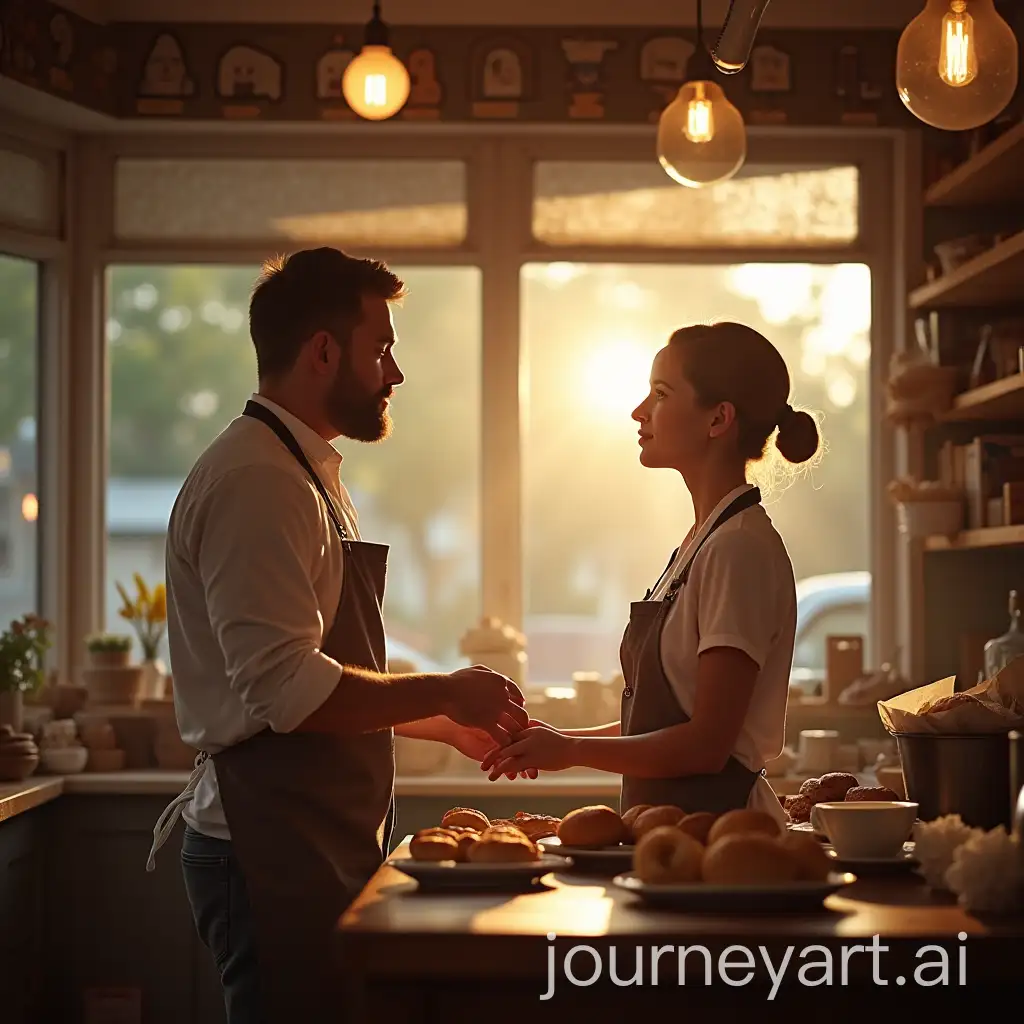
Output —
(19, 755)
(117, 686)
(12, 709)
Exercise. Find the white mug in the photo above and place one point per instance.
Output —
(865, 829)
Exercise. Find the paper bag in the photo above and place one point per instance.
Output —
(996, 705)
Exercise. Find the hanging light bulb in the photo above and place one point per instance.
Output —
(701, 136)
(376, 82)
(956, 64)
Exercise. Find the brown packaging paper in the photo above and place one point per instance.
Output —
(996, 705)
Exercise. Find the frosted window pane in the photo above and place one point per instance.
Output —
(378, 202)
(610, 203)
(25, 192)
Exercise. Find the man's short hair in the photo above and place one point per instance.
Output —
(309, 291)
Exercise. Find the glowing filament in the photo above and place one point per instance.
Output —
(958, 62)
(376, 91)
(700, 121)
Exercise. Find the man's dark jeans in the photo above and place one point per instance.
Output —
(216, 891)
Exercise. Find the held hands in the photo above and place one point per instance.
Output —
(538, 747)
(488, 710)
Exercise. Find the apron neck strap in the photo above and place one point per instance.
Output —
(287, 438)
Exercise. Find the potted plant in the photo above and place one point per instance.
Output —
(22, 648)
(109, 650)
(147, 613)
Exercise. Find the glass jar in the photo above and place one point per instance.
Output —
(1006, 648)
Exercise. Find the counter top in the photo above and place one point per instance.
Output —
(16, 797)
(394, 932)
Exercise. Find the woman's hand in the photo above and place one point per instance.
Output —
(477, 744)
(538, 747)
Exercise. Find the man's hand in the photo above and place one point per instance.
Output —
(538, 747)
(480, 698)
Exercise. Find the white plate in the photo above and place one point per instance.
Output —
(806, 826)
(450, 874)
(583, 856)
(904, 861)
(793, 897)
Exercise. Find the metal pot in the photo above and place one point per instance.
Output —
(959, 774)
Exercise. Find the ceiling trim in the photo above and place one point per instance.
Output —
(854, 14)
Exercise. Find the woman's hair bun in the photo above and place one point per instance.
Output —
(798, 438)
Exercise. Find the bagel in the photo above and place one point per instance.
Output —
(742, 821)
(434, 846)
(751, 858)
(814, 862)
(629, 818)
(502, 847)
(467, 816)
(698, 825)
(654, 817)
(593, 826)
(666, 856)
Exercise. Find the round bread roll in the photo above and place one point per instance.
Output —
(630, 816)
(751, 858)
(466, 816)
(434, 847)
(814, 863)
(597, 825)
(861, 793)
(654, 817)
(798, 808)
(465, 843)
(834, 786)
(505, 830)
(495, 847)
(809, 787)
(743, 821)
(698, 825)
(536, 826)
(666, 856)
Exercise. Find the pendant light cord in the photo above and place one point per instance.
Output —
(700, 24)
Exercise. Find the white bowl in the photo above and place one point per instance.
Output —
(64, 760)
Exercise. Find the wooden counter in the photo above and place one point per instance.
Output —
(425, 955)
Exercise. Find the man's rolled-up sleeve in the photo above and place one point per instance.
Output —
(259, 541)
(737, 605)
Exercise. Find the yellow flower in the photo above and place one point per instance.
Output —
(158, 610)
(128, 609)
(140, 583)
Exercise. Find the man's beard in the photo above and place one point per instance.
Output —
(356, 414)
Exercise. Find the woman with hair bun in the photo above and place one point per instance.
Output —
(707, 653)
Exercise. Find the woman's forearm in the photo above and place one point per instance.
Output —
(666, 753)
(609, 729)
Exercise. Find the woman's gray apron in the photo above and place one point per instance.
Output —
(310, 815)
(649, 702)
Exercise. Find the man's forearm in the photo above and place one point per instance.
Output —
(370, 701)
(438, 728)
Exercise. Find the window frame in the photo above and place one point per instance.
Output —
(46, 245)
(499, 177)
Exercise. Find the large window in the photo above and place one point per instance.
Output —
(182, 366)
(19, 488)
(598, 526)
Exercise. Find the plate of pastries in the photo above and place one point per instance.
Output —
(741, 861)
(829, 788)
(467, 850)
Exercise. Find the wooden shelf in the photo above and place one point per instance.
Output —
(992, 537)
(1000, 400)
(992, 176)
(995, 278)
